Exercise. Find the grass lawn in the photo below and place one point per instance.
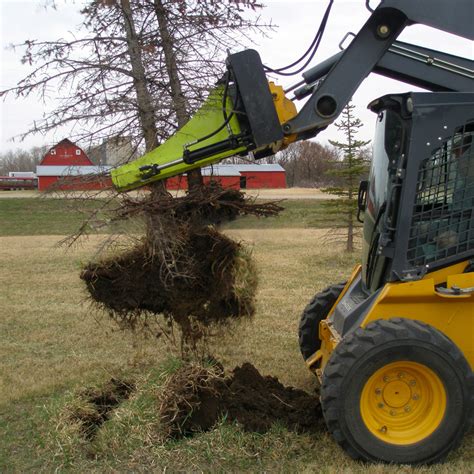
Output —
(52, 344)
(40, 216)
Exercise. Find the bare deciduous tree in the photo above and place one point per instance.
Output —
(135, 68)
(306, 163)
(21, 160)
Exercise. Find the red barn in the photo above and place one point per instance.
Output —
(226, 175)
(237, 177)
(262, 176)
(66, 166)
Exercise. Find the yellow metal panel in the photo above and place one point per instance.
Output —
(419, 300)
(329, 340)
(357, 269)
(328, 335)
(285, 109)
(465, 280)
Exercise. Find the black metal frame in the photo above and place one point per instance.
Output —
(332, 83)
(258, 110)
(430, 121)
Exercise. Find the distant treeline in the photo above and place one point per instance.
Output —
(21, 160)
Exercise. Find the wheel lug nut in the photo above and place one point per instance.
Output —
(386, 379)
(393, 412)
(416, 397)
(383, 429)
(380, 405)
(412, 383)
(378, 391)
(407, 408)
(401, 375)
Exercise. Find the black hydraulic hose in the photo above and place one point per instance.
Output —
(227, 119)
(311, 51)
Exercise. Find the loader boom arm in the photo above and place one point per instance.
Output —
(374, 49)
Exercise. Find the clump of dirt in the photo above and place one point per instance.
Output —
(257, 402)
(195, 397)
(93, 405)
(190, 387)
(183, 268)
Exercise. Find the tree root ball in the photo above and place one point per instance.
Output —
(183, 268)
(216, 284)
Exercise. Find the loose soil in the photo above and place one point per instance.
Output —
(207, 284)
(195, 398)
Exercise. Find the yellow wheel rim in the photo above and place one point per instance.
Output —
(403, 403)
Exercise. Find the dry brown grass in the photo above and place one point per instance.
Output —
(290, 193)
(285, 193)
(50, 338)
(50, 341)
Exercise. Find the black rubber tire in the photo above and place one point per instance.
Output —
(363, 352)
(317, 310)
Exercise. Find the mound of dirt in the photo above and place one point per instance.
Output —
(257, 402)
(196, 397)
(183, 268)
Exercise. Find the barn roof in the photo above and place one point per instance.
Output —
(258, 168)
(66, 143)
(236, 170)
(70, 170)
(220, 170)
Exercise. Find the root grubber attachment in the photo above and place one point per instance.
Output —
(242, 115)
(169, 158)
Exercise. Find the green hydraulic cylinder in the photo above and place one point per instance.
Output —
(168, 159)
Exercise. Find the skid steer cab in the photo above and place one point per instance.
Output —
(394, 346)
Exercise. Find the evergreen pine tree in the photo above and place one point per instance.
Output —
(353, 167)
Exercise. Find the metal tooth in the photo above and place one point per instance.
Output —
(378, 391)
(416, 397)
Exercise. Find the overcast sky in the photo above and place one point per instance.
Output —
(297, 22)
